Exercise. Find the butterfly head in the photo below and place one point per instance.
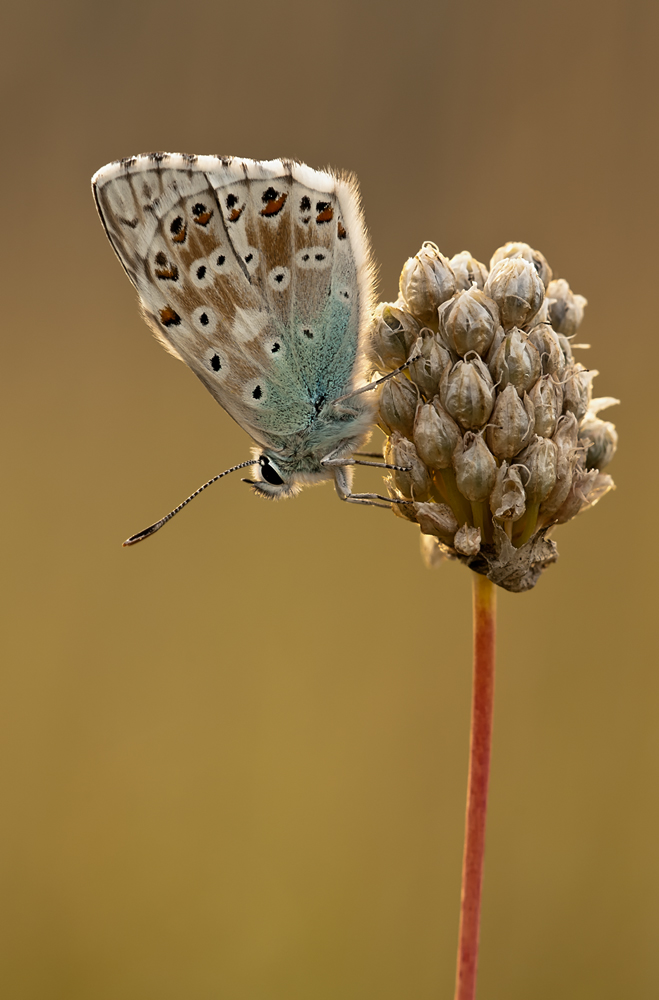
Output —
(272, 479)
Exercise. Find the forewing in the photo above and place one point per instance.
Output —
(255, 273)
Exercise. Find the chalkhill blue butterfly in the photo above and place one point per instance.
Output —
(258, 275)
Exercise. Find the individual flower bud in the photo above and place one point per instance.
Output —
(387, 338)
(403, 510)
(565, 308)
(558, 495)
(511, 424)
(566, 440)
(397, 405)
(523, 250)
(436, 519)
(401, 322)
(517, 362)
(539, 459)
(425, 282)
(469, 321)
(426, 373)
(603, 439)
(566, 436)
(542, 316)
(517, 289)
(475, 467)
(467, 540)
(415, 484)
(549, 348)
(566, 348)
(601, 403)
(467, 392)
(497, 341)
(577, 389)
(547, 399)
(586, 489)
(436, 435)
(468, 270)
(508, 499)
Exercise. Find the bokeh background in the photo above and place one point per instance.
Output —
(234, 758)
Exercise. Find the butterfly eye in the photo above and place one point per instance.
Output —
(269, 473)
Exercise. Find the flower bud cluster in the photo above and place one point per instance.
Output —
(492, 423)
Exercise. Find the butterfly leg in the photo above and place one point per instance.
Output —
(378, 382)
(334, 463)
(345, 493)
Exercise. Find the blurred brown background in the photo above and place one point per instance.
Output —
(234, 758)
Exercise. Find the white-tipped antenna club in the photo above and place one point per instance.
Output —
(151, 530)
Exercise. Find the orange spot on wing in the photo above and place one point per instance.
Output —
(236, 213)
(341, 231)
(168, 317)
(180, 236)
(274, 207)
(326, 215)
(169, 273)
(201, 214)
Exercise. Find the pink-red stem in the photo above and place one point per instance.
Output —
(479, 772)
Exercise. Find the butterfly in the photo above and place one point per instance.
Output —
(258, 275)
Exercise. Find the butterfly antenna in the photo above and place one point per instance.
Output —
(151, 530)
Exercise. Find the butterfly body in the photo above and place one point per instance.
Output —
(258, 275)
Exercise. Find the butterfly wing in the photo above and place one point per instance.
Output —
(257, 274)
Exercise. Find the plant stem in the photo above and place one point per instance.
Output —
(484, 605)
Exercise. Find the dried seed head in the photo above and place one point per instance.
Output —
(517, 362)
(415, 484)
(469, 321)
(511, 424)
(523, 250)
(399, 399)
(547, 399)
(539, 459)
(601, 438)
(495, 368)
(517, 289)
(467, 392)
(468, 270)
(436, 435)
(475, 467)
(549, 348)
(508, 499)
(565, 308)
(425, 282)
(467, 540)
(427, 372)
